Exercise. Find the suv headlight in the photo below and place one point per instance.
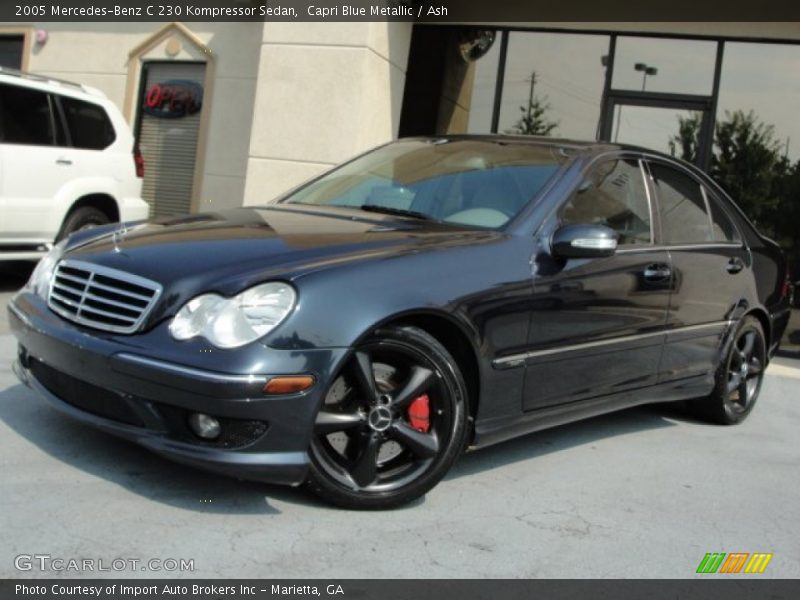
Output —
(234, 322)
(42, 275)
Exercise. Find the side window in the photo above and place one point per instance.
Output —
(614, 195)
(682, 207)
(721, 224)
(88, 124)
(25, 116)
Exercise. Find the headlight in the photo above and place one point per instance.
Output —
(39, 283)
(234, 322)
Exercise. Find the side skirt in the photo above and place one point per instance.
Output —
(493, 431)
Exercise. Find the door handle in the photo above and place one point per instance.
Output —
(734, 265)
(657, 272)
(63, 161)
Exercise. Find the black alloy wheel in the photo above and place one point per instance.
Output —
(392, 423)
(739, 377)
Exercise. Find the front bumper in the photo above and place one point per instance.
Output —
(109, 384)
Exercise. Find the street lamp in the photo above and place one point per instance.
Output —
(646, 70)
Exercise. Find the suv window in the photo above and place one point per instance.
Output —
(25, 116)
(88, 124)
(682, 206)
(613, 194)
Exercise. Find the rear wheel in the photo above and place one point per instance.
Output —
(84, 217)
(392, 423)
(739, 377)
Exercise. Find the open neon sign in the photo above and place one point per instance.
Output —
(173, 99)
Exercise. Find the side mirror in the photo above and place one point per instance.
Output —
(584, 241)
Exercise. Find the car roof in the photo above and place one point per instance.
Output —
(587, 147)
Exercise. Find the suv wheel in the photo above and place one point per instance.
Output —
(84, 217)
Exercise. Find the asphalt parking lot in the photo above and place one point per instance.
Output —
(641, 493)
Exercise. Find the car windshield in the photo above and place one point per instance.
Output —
(479, 183)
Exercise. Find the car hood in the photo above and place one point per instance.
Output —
(228, 251)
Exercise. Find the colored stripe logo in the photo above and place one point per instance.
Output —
(734, 562)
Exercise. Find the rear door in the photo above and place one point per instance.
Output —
(708, 259)
(597, 325)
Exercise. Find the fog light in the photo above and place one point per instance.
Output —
(204, 426)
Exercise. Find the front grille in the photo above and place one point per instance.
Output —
(101, 297)
(85, 396)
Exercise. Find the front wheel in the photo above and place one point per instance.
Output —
(392, 423)
(739, 377)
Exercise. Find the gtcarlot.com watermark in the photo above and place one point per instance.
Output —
(58, 564)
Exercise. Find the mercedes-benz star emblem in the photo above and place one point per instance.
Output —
(118, 236)
(380, 418)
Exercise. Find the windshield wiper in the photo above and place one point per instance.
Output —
(402, 212)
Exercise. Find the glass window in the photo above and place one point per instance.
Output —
(88, 124)
(25, 116)
(763, 78)
(721, 224)
(481, 104)
(652, 127)
(552, 85)
(664, 65)
(11, 51)
(470, 182)
(682, 207)
(614, 195)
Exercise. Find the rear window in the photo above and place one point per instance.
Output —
(88, 124)
(684, 219)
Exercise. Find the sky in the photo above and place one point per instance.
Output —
(764, 78)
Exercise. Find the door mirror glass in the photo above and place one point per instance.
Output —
(584, 241)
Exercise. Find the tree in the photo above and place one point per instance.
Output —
(746, 160)
(688, 138)
(533, 121)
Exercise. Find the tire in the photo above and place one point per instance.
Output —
(365, 453)
(84, 217)
(737, 386)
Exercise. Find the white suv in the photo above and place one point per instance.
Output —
(67, 161)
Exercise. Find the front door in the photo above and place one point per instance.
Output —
(597, 325)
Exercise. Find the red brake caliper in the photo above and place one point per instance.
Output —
(419, 413)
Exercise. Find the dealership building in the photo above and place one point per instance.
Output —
(232, 113)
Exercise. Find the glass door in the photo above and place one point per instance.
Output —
(681, 127)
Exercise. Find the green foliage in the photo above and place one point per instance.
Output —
(533, 120)
(687, 139)
(745, 161)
